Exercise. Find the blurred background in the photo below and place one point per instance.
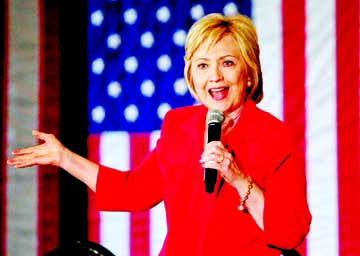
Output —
(101, 74)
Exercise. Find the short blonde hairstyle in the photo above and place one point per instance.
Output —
(211, 29)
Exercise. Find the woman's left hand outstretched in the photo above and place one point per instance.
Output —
(50, 152)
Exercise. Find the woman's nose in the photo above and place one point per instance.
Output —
(215, 74)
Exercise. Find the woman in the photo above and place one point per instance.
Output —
(259, 206)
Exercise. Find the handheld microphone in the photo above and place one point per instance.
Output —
(214, 118)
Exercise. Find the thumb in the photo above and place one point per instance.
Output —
(38, 135)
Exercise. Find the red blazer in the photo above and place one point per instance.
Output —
(199, 223)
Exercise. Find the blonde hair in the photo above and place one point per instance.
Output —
(211, 29)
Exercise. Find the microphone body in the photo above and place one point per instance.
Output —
(214, 119)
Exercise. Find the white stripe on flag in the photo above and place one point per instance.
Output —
(22, 185)
(267, 20)
(114, 226)
(321, 127)
(157, 229)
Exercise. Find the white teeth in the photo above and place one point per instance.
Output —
(216, 89)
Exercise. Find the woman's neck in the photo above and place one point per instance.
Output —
(234, 116)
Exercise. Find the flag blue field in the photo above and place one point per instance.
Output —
(136, 60)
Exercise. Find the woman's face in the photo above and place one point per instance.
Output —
(219, 75)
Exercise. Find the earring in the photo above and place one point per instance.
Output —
(249, 83)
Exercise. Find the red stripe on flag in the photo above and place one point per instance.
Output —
(93, 214)
(48, 112)
(294, 70)
(41, 123)
(347, 55)
(4, 73)
(139, 221)
(294, 66)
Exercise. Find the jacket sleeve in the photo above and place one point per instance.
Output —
(286, 213)
(133, 190)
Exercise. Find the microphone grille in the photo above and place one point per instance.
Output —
(214, 116)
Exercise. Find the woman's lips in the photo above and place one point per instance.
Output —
(219, 93)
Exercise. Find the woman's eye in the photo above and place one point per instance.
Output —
(202, 65)
(228, 63)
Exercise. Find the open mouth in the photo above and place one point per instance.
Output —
(219, 93)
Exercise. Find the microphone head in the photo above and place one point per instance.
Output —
(214, 116)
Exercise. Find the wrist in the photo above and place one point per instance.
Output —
(244, 192)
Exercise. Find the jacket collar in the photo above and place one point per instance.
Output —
(244, 129)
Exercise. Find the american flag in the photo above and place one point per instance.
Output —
(136, 69)
(310, 58)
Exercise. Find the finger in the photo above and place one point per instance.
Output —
(27, 150)
(40, 135)
(19, 162)
(217, 158)
(35, 132)
(211, 157)
(23, 151)
(22, 165)
(211, 151)
(211, 164)
(213, 146)
(26, 160)
(216, 144)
